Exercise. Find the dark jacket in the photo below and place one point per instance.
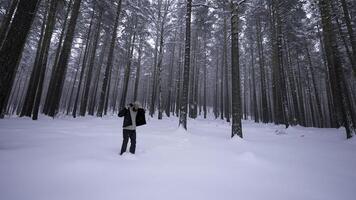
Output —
(140, 117)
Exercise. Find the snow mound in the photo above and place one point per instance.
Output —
(281, 132)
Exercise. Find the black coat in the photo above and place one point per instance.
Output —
(140, 117)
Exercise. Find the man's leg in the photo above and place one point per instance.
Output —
(125, 135)
(133, 142)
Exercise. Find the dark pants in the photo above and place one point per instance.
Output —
(128, 134)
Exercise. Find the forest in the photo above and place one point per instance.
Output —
(290, 62)
(220, 99)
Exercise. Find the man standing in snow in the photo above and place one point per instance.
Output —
(134, 116)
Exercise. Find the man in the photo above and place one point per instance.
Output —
(134, 116)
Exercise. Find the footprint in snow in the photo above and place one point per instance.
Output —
(129, 156)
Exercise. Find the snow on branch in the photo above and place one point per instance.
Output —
(205, 5)
(240, 2)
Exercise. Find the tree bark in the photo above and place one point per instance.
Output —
(337, 79)
(13, 44)
(154, 71)
(42, 64)
(261, 61)
(184, 97)
(49, 95)
(128, 70)
(105, 89)
(7, 20)
(350, 31)
(227, 90)
(138, 69)
(88, 81)
(32, 87)
(235, 70)
(62, 64)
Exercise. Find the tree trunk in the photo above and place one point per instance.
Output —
(254, 98)
(310, 68)
(235, 71)
(343, 37)
(154, 71)
(216, 94)
(350, 31)
(170, 78)
(105, 89)
(42, 64)
(159, 63)
(138, 69)
(13, 44)
(184, 97)
(337, 79)
(205, 75)
(49, 95)
(7, 20)
(128, 69)
(222, 88)
(32, 86)
(178, 84)
(227, 91)
(261, 61)
(62, 64)
(97, 77)
(73, 87)
(84, 103)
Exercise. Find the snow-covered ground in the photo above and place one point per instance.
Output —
(77, 159)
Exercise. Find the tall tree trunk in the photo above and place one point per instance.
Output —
(13, 44)
(170, 78)
(216, 94)
(42, 62)
(331, 108)
(7, 20)
(128, 69)
(205, 76)
(279, 87)
(196, 75)
(154, 71)
(302, 120)
(337, 79)
(245, 95)
(97, 77)
(227, 91)
(73, 86)
(105, 89)
(311, 76)
(254, 98)
(84, 103)
(62, 64)
(261, 62)
(179, 74)
(343, 36)
(235, 71)
(159, 63)
(184, 97)
(222, 88)
(193, 75)
(31, 87)
(83, 67)
(138, 69)
(49, 95)
(350, 31)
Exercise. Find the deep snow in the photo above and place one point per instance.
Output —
(77, 159)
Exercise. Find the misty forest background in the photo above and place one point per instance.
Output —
(290, 62)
